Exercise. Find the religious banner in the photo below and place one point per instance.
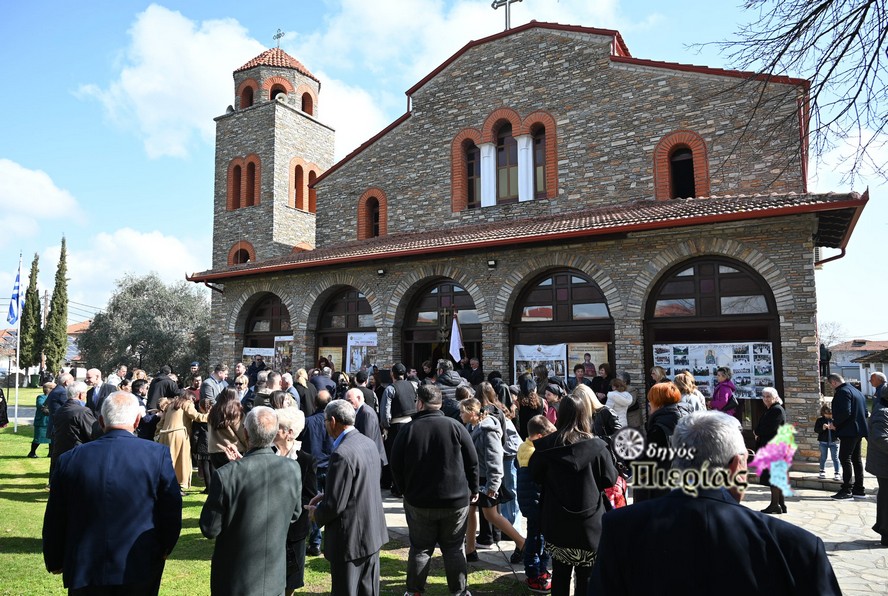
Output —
(361, 350)
(283, 353)
(554, 357)
(591, 355)
(333, 354)
(751, 362)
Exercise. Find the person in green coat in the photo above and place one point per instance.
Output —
(41, 419)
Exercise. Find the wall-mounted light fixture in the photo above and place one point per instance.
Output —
(380, 272)
(491, 264)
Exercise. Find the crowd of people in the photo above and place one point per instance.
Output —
(310, 454)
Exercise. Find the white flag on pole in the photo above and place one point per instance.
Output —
(456, 341)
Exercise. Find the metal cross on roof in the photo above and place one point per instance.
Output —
(280, 34)
(497, 3)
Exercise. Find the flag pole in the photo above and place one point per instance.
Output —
(18, 345)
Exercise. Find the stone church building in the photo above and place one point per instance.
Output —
(549, 188)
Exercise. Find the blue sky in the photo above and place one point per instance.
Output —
(107, 126)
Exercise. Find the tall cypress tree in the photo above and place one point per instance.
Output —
(55, 334)
(30, 354)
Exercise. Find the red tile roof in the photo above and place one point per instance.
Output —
(278, 58)
(598, 221)
(860, 345)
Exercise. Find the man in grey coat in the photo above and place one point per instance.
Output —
(351, 508)
(248, 511)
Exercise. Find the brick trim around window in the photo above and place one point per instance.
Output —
(680, 139)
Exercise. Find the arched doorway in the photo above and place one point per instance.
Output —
(267, 319)
(346, 311)
(426, 331)
(715, 311)
(564, 307)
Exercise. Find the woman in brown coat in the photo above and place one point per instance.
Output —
(174, 431)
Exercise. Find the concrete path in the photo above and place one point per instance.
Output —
(859, 561)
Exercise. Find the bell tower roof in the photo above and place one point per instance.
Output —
(278, 58)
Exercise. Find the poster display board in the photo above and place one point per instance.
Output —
(283, 353)
(248, 353)
(591, 355)
(554, 357)
(361, 351)
(752, 364)
(333, 354)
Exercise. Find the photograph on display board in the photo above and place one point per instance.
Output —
(361, 349)
(283, 354)
(590, 355)
(751, 364)
(249, 353)
(528, 357)
(333, 356)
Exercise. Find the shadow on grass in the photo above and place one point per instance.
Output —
(43, 475)
(37, 496)
(20, 544)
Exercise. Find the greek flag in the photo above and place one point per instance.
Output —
(18, 299)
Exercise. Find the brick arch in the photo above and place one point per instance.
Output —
(270, 82)
(257, 181)
(518, 278)
(328, 285)
(546, 119)
(459, 192)
(659, 264)
(301, 90)
(247, 298)
(677, 140)
(241, 245)
(252, 83)
(488, 131)
(292, 190)
(417, 277)
(365, 224)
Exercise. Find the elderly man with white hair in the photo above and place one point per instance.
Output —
(251, 504)
(114, 512)
(880, 388)
(736, 550)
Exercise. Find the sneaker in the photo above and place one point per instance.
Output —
(858, 494)
(313, 550)
(822, 474)
(539, 585)
(517, 556)
(547, 575)
(484, 545)
(472, 557)
(837, 477)
(842, 495)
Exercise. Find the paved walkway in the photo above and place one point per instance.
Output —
(859, 561)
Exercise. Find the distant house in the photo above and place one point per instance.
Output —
(845, 358)
(875, 362)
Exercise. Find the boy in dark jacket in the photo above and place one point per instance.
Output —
(536, 559)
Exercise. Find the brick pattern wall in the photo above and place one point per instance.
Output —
(626, 270)
(609, 119)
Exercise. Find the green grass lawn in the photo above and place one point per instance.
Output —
(23, 500)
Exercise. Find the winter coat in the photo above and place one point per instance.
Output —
(573, 479)
(877, 445)
(849, 412)
(448, 382)
(660, 427)
(487, 438)
(723, 392)
(620, 401)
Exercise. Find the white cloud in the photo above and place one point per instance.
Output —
(175, 78)
(28, 198)
(94, 269)
(352, 112)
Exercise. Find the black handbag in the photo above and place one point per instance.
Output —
(732, 404)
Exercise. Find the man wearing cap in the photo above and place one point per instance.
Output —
(396, 409)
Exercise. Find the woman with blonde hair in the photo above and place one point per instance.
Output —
(307, 392)
(605, 422)
(691, 398)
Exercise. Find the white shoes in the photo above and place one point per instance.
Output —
(822, 474)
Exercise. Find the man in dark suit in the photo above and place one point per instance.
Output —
(74, 423)
(737, 550)
(130, 491)
(161, 386)
(849, 422)
(351, 508)
(366, 421)
(251, 504)
(98, 390)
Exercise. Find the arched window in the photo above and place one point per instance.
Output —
(538, 134)
(240, 257)
(473, 174)
(347, 311)
(506, 165)
(373, 216)
(277, 90)
(250, 190)
(307, 104)
(246, 99)
(681, 169)
(268, 318)
(312, 193)
(299, 176)
(565, 304)
(426, 332)
(235, 189)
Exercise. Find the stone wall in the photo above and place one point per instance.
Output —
(626, 270)
(609, 117)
